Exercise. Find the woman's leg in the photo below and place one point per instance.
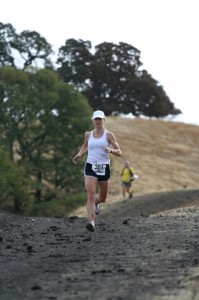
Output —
(103, 191)
(90, 185)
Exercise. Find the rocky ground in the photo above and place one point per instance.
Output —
(143, 248)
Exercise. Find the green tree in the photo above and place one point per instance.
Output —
(76, 59)
(151, 99)
(111, 78)
(13, 105)
(33, 48)
(14, 185)
(45, 118)
(7, 36)
(23, 49)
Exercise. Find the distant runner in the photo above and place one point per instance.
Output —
(128, 175)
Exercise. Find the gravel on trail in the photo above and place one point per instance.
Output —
(144, 257)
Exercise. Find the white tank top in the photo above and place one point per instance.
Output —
(96, 152)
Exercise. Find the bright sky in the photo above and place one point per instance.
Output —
(165, 31)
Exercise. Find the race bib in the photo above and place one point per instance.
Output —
(99, 169)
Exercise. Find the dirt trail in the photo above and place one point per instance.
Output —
(130, 255)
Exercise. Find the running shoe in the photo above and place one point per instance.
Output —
(90, 227)
(97, 209)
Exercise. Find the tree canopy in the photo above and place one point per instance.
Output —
(24, 49)
(42, 121)
(112, 79)
(110, 75)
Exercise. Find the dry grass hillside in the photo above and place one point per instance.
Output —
(164, 154)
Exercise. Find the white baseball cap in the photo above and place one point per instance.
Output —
(98, 114)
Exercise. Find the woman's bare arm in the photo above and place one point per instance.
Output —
(83, 149)
(115, 148)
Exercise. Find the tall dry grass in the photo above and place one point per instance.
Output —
(164, 154)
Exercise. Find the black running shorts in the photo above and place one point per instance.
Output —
(126, 184)
(100, 171)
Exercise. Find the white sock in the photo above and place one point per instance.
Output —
(93, 223)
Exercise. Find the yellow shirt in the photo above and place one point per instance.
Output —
(127, 174)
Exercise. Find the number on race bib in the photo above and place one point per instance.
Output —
(99, 169)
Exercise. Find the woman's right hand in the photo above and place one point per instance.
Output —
(75, 158)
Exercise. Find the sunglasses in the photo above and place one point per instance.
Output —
(98, 119)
